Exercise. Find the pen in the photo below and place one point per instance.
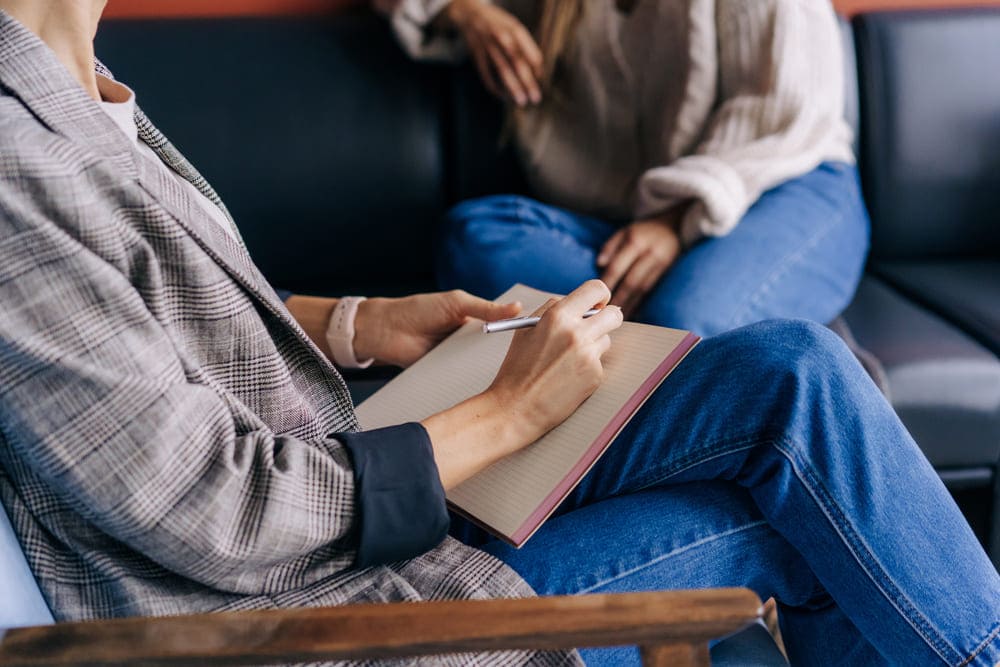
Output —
(521, 322)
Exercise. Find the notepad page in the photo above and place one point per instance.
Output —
(461, 366)
(506, 494)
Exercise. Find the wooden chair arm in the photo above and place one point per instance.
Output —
(668, 625)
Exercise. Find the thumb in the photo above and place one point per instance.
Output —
(481, 309)
(497, 311)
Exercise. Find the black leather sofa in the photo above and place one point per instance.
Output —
(338, 157)
(929, 306)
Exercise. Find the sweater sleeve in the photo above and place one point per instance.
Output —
(779, 114)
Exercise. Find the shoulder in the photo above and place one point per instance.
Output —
(57, 189)
(30, 151)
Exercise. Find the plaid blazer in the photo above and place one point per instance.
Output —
(164, 422)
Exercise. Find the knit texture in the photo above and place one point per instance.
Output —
(709, 102)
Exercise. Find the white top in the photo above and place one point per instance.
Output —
(118, 101)
(710, 101)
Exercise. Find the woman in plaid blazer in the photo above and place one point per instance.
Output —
(174, 439)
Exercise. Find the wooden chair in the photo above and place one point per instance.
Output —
(670, 627)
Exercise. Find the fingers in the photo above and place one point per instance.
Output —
(509, 75)
(610, 247)
(544, 308)
(620, 264)
(506, 55)
(528, 79)
(529, 49)
(466, 305)
(591, 294)
(637, 283)
(516, 55)
(604, 322)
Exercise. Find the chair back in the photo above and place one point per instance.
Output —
(21, 601)
(930, 132)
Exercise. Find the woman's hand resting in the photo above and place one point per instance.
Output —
(635, 258)
(506, 56)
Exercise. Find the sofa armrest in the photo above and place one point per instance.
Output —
(669, 626)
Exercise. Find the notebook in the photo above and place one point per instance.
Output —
(515, 495)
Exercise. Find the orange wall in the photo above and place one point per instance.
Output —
(153, 8)
(187, 8)
(854, 6)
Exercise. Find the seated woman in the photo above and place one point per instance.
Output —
(172, 441)
(690, 153)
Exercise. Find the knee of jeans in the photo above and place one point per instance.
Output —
(491, 207)
(794, 349)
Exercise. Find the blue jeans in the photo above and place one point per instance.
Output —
(769, 459)
(797, 253)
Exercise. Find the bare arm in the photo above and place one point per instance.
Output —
(313, 315)
(549, 369)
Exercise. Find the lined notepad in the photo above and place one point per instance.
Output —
(515, 495)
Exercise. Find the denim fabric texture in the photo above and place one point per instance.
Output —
(797, 253)
(769, 459)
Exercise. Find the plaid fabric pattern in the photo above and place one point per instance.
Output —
(164, 423)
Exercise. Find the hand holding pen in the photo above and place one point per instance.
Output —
(522, 322)
(555, 364)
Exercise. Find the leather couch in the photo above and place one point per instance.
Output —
(345, 155)
(929, 306)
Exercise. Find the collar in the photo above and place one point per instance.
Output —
(30, 71)
(119, 103)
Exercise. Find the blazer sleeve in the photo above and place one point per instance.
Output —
(780, 112)
(96, 399)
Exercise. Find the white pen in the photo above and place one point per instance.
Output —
(521, 322)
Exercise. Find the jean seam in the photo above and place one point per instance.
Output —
(674, 552)
(869, 563)
(982, 646)
(724, 445)
(865, 558)
(914, 618)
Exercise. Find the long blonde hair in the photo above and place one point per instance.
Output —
(554, 28)
(557, 21)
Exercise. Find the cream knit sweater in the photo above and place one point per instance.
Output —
(711, 102)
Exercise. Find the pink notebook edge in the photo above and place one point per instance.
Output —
(594, 452)
(603, 441)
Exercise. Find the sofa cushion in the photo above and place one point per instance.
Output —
(319, 133)
(943, 384)
(966, 292)
(930, 149)
(21, 601)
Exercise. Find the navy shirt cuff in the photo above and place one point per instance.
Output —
(401, 503)
(283, 294)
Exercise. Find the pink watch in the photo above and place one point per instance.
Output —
(340, 333)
